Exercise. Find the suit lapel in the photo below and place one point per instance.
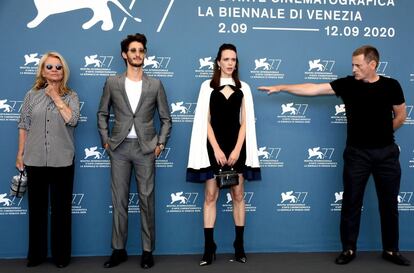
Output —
(145, 89)
(121, 86)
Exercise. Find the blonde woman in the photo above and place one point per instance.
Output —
(46, 148)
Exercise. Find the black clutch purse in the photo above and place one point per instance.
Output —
(226, 179)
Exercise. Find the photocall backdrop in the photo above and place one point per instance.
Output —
(296, 206)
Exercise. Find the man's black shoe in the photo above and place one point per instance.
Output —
(35, 262)
(395, 257)
(62, 265)
(345, 257)
(147, 261)
(118, 256)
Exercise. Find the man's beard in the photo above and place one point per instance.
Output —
(137, 65)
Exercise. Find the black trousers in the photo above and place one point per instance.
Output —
(384, 165)
(56, 184)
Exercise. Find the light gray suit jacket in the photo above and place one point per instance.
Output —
(152, 98)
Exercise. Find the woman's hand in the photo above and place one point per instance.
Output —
(220, 157)
(234, 156)
(19, 162)
(52, 90)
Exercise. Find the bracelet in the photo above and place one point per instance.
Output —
(60, 106)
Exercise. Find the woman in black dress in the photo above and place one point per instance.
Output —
(226, 131)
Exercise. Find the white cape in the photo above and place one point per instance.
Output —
(198, 155)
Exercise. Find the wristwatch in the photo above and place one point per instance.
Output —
(161, 146)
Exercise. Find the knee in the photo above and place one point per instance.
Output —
(210, 198)
(237, 196)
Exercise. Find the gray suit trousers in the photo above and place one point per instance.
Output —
(126, 156)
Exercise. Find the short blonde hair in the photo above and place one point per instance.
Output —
(40, 81)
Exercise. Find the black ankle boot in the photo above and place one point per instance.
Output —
(209, 255)
(209, 247)
(238, 244)
(239, 254)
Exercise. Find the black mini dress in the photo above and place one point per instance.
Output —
(225, 121)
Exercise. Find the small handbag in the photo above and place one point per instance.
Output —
(226, 179)
(18, 184)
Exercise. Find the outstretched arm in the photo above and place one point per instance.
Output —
(304, 89)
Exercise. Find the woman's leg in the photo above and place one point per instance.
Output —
(239, 215)
(237, 195)
(38, 194)
(209, 214)
(61, 215)
(210, 200)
